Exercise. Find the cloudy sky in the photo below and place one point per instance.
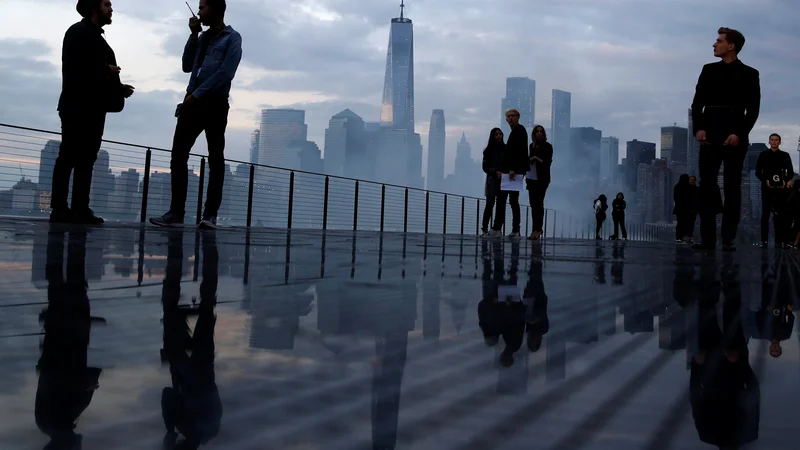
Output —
(630, 64)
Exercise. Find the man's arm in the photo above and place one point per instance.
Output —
(189, 54)
(227, 70)
(752, 104)
(789, 168)
(699, 102)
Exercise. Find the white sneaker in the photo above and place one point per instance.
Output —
(514, 235)
(209, 223)
(495, 233)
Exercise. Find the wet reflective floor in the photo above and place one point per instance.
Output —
(137, 338)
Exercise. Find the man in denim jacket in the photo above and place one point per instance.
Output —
(212, 58)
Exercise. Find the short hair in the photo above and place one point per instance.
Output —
(734, 37)
(86, 7)
(513, 111)
(219, 6)
(776, 135)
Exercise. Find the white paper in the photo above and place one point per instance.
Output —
(509, 185)
(508, 293)
(533, 174)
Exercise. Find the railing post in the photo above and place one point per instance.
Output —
(325, 205)
(250, 195)
(383, 204)
(145, 184)
(463, 200)
(444, 225)
(405, 214)
(291, 200)
(427, 208)
(200, 190)
(478, 218)
(355, 209)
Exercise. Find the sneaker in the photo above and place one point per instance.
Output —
(208, 223)
(61, 215)
(86, 217)
(485, 234)
(680, 241)
(169, 219)
(514, 235)
(495, 233)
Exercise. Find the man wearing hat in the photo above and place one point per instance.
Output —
(90, 88)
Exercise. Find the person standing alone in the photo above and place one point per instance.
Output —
(538, 179)
(618, 216)
(90, 89)
(724, 111)
(515, 164)
(212, 57)
(684, 195)
(774, 169)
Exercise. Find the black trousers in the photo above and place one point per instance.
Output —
(685, 224)
(500, 211)
(487, 212)
(536, 193)
(599, 221)
(210, 116)
(711, 158)
(774, 201)
(81, 137)
(619, 222)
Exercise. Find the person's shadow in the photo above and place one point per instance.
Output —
(191, 406)
(66, 383)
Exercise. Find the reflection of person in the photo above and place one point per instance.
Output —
(685, 210)
(492, 162)
(724, 110)
(774, 320)
(66, 383)
(498, 318)
(774, 169)
(515, 163)
(537, 323)
(600, 208)
(90, 89)
(387, 379)
(618, 216)
(538, 179)
(212, 59)
(192, 405)
(724, 391)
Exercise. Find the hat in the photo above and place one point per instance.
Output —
(85, 7)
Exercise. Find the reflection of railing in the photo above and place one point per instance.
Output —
(131, 181)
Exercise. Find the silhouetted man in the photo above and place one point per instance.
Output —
(90, 89)
(725, 109)
(515, 164)
(774, 169)
(212, 59)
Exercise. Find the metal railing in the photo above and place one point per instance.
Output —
(132, 181)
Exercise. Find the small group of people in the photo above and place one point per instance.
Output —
(618, 206)
(514, 158)
(92, 88)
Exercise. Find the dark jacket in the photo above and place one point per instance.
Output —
(727, 100)
(775, 167)
(516, 152)
(87, 83)
(492, 162)
(601, 214)
(545, 152)
(618, 208)
(685, 197)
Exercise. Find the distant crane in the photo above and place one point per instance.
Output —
(21, 172)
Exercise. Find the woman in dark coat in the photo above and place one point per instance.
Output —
(618, 216)
(538, 179)
(685, 195)
(600, 208)
(492, 161)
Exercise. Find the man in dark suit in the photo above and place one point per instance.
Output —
(515, 164)
(90, 89)
(725, 109)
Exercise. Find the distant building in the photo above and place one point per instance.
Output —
(47, 160)
(255, 142)
(584, 160)
(674, 144)
(345, 145)
(102, 183)
(397, 108)
(609, 159)
(278, 128)
(637, 152)
(561, 123)
(692, 148)
(520, 95)
(437, 137)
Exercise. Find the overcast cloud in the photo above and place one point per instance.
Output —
(631, 65)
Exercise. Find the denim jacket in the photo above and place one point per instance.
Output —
(219, 66)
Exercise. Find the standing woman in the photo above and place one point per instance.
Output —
(538, 179)
(492, 162)
(600, 208)
(618, 216)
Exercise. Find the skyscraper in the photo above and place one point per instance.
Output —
(609, 159)
(345, 145)
(585, 157)
(397, 108)
(279, 127)
(521, 95)
(102, 183)
(47, 160)
(436, 147)
(637, 152)
(561, 123)
(692, 148)
(254, 146)
(674, 144)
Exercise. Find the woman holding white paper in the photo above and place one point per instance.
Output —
(538, 178)
(492, 163)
